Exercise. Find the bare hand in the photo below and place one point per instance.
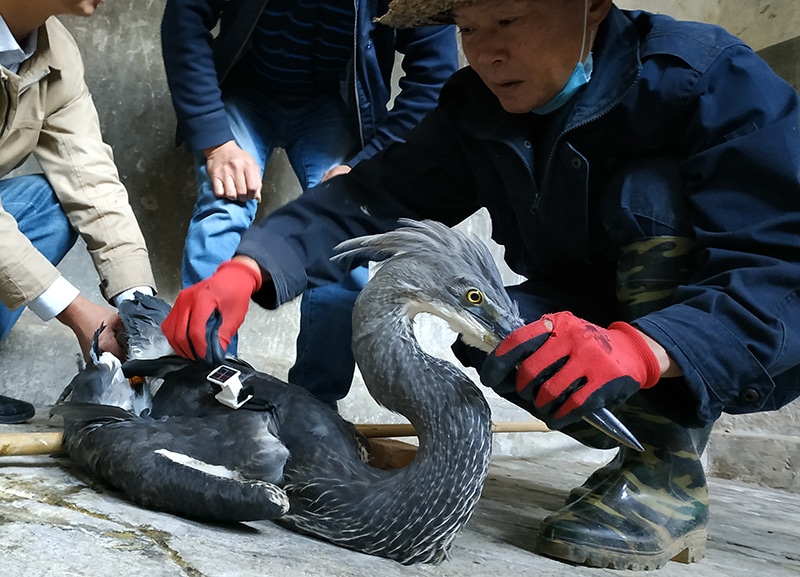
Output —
(234, 174)
(84, 318)
(335, 171)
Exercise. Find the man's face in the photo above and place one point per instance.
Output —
(523, 50)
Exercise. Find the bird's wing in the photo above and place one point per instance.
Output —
(90, 412)
(155, 464)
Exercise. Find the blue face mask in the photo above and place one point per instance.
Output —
(580, 76)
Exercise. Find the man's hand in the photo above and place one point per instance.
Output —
(206, 315)
(569, 367)
(335, 171)
(234, 174)
(84, 318)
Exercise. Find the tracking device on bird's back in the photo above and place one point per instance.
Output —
(231, 394)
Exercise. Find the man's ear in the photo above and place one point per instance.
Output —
(598, 10)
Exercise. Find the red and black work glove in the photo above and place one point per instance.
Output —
(573, 368)
(206, 315)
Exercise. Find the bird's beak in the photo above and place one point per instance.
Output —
(499, 324)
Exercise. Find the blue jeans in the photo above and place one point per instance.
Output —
(316, 137)
(33, 204)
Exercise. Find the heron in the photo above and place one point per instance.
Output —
(288, 457)
(273, 451)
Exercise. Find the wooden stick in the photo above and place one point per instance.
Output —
(32, 443)
(406, 430)
(47, 443)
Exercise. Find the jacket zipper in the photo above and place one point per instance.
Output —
(584, 123)
(536, 198)
(241, 48)
(356, 99)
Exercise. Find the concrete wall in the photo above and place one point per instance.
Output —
(125, 73)
(760, 23)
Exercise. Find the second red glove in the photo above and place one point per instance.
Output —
(570, 367)
(206, 315)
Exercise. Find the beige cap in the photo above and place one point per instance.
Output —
(413, 13)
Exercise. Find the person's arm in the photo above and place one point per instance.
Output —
(426, 177)
(186, 42)
(429, 58)
(25, 273)
(734, 328)
(80, 168)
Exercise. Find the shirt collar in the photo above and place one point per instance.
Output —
(12, 55)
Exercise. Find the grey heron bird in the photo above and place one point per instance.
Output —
(286, 456)
(283, 454)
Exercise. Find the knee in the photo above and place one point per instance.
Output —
(217, 215)
(31, 200)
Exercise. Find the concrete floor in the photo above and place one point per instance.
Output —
(55, 522)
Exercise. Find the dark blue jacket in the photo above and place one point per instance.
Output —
(660, 88)
(196, 63)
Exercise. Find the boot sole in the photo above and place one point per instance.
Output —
(690, 548)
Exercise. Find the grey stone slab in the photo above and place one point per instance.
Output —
(54, 521)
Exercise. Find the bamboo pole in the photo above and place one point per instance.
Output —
(30, 443)
(407, 430)
(46, 443)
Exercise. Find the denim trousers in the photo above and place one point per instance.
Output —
(316, 137)
(33, 204)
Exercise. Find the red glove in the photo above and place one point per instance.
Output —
(206, 315)
(575, 367)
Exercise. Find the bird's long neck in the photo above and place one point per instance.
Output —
(430, 392)
(451, 418)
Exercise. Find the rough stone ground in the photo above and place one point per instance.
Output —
(55, 522)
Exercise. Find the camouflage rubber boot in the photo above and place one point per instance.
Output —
(645, 508)
(641, 509)
(595, 478)
(607, 470)
(648, 273)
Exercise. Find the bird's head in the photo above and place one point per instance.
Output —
(435, 269)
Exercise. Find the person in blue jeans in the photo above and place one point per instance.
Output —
(313, 78)
(49, 114)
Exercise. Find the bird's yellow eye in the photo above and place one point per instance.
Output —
(474, 296)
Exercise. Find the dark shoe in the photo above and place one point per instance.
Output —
(642, 509)
(14, 411)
